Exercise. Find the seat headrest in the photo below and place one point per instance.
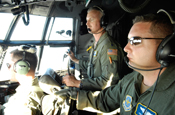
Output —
(47, 82)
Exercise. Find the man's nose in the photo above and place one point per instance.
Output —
(127, 47)
(87, 23)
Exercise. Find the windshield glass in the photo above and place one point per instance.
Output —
(33, 31)
(52, 57)
(5, 21)
(62, 29)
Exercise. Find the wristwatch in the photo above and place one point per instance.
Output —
(81, 85)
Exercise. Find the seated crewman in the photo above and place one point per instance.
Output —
(21, 65)
(105, 60)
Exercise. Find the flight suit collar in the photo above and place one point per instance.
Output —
(103, 37)
(166, 78)
(137, 83)
(27, 86)
(164, 81)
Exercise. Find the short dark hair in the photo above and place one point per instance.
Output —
(161, 25)
(30, 57)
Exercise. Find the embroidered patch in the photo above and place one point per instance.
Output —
(127, 103)
(95, 53)
(112, 51)
(140, 109)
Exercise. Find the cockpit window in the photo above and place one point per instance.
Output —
(5, 21)
(31, 32)
(59, 29)
(62, 29)
(4, 72)
(53, 57)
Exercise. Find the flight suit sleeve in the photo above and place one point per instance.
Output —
(108, 65)
(107, 100)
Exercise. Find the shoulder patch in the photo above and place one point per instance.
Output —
(127, 103)
(112, 51)
(140, 109)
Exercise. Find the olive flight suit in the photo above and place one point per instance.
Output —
(104, 64)
(126, 95)
(26, 100)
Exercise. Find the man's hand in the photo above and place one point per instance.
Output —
(70, 92)
(72, 57)
(71, 81)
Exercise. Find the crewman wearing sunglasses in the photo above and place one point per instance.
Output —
(150, 89)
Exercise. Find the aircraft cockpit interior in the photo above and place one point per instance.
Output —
(60, 30)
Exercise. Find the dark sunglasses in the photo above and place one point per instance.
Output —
(8, 65)
(138, 40)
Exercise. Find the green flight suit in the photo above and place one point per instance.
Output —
(126, 95)
(103, 73)
(26, 100)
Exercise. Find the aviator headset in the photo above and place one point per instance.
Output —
(22, 66)
(166, 51)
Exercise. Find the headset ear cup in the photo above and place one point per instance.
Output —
(22, 67)
(103, 21)
(165, 50)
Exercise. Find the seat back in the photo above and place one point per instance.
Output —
(48, 83)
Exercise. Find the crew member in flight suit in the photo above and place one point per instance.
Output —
(105, 60)
(26, 101)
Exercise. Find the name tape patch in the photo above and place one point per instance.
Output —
(140, 109)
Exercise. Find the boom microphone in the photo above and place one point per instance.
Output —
(95, 33)
(127, 60)
(89, 29)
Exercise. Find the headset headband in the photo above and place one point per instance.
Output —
(98, 8)
(169, 14)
